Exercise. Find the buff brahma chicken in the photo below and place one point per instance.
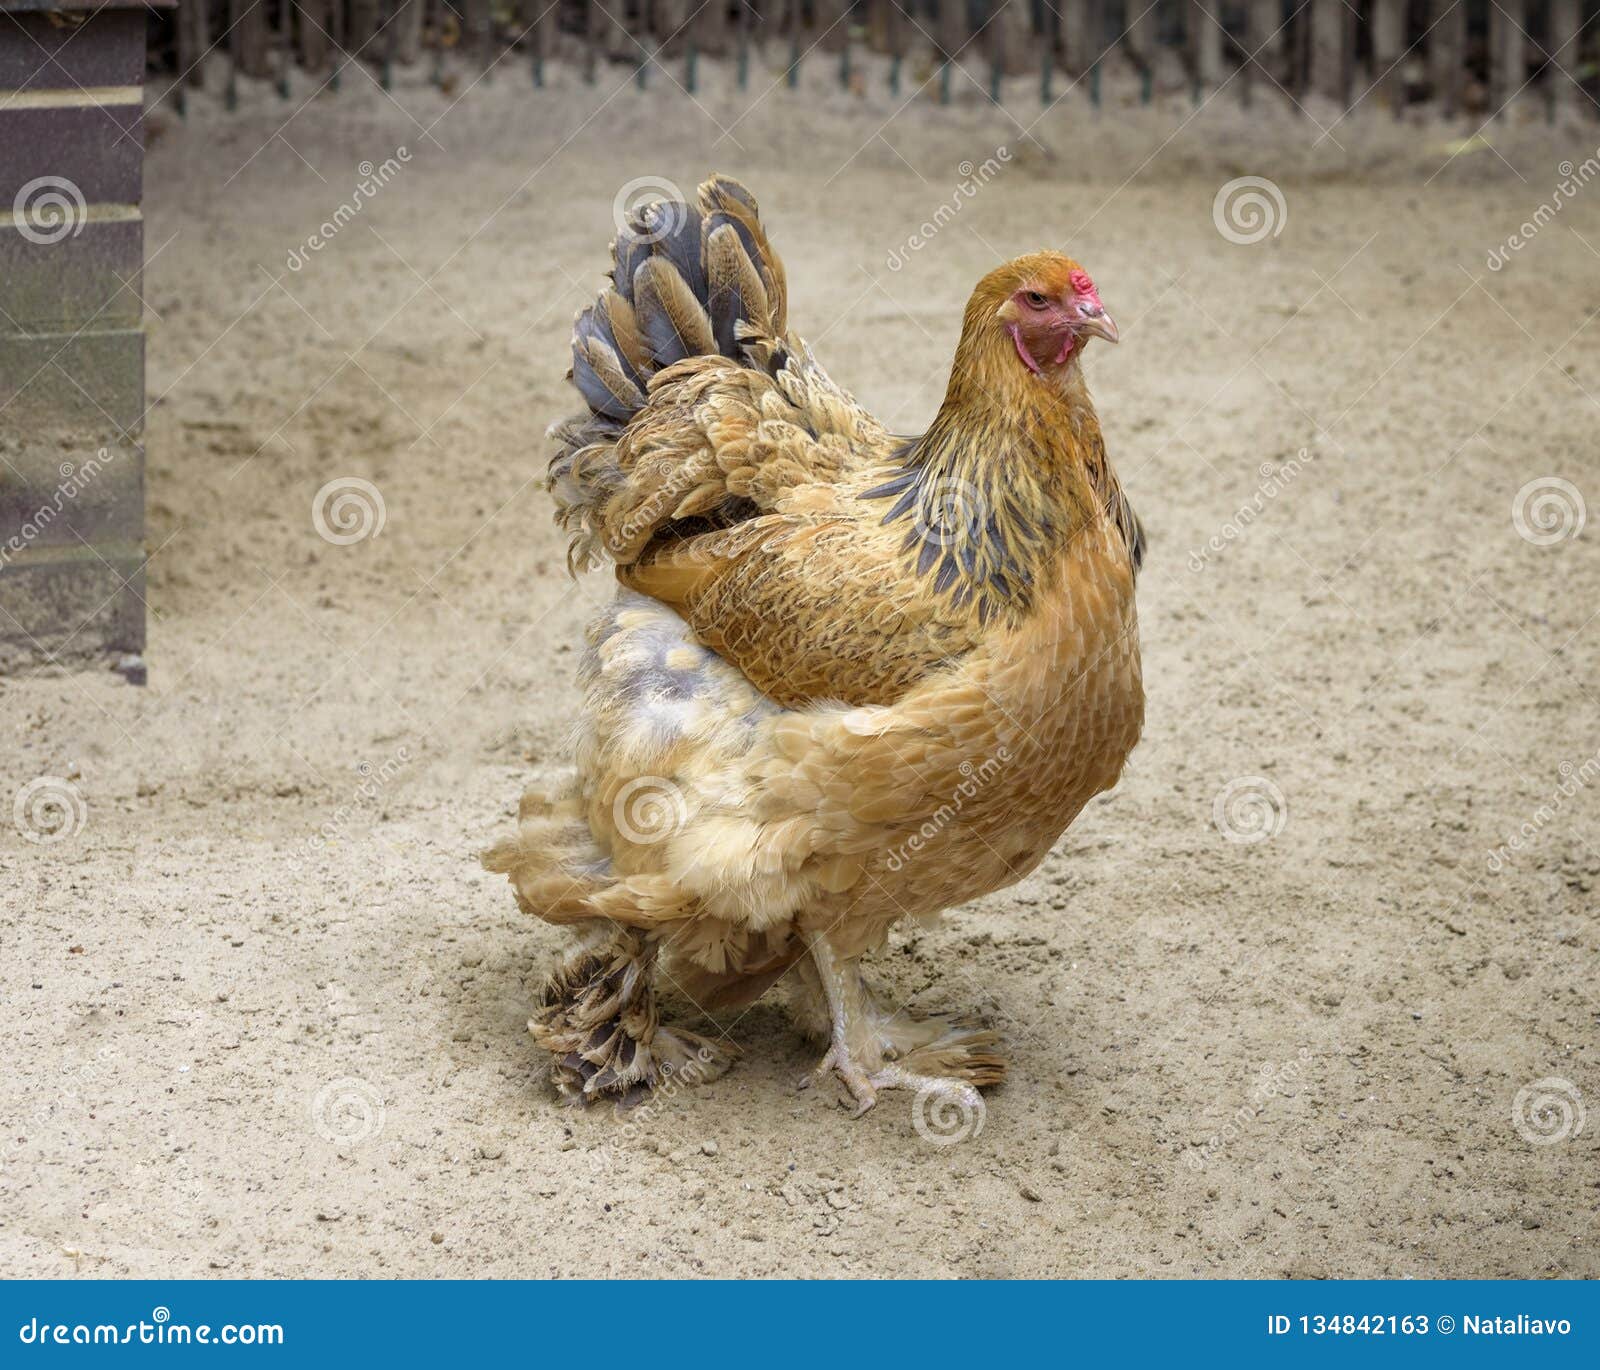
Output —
(847, 679)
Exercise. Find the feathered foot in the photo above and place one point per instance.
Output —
(598, 1018)
(871, 1048)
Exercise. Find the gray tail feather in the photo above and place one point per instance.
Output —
(687, 280)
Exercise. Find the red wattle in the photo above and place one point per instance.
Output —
(1027, 356)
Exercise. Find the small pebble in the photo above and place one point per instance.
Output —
(709, 1148)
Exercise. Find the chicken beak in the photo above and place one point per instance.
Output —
(1098, 322)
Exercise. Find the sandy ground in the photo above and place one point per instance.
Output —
(264, 1013)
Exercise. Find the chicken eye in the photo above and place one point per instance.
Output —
(1035, 299)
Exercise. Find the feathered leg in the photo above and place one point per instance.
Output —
(871, 1048)
(598, 1018)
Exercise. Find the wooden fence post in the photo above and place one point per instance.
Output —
(1332, 45)
(1264, 46)
(477, 33)
(891, 27)
(313, 39)
(794, 22)
(1508, 64)
(670, 21)
(952, 34)
(1388, 43)
(608, 34)
(1078, 42)
(408, 32)
(363, 23)
(1268, 40)
(281, 38)
(1566, 21)
(539, 26)
(711, 29)
(1012, 26)
(1447, 53)
(1205, 44)
(193, 42)
(1141, 41)
(249, 41)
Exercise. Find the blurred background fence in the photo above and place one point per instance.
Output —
(1468, 57)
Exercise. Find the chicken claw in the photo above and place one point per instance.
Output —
(862, 1086)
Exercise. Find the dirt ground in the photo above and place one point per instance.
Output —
(265, 1015)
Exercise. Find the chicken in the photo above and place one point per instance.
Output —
(848, 679)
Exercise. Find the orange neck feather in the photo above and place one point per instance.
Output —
(1012, 468)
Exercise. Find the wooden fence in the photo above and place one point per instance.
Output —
(72, 398)
(1469, 57)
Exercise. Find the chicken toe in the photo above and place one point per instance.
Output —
(871, 1047)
